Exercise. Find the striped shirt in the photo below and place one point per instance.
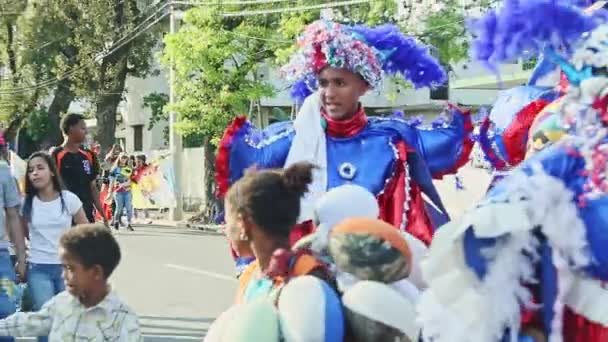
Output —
(65, 319)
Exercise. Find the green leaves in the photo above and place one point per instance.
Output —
(445, 30)
(59, 46)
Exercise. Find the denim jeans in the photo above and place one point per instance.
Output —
(8, 292)
(44, 282)
(123, 201)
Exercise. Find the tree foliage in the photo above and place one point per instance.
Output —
(55, 52)
(444, 28)
(220, 64)
(218, 59)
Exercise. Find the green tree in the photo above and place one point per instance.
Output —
(217, 76)
(57, 52)
(445, 31)
(218, 60)
(15, 71)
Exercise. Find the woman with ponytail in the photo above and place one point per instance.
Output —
(261, 209)
(283, 295)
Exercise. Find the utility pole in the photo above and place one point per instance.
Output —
(175, 139)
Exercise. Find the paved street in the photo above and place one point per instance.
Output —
(177, 280)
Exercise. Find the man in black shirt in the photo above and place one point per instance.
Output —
(78, 166)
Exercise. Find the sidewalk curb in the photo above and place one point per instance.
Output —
(207, 228)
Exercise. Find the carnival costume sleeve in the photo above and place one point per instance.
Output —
(489, 255)
(503, 135)
(244, 146)
(447, 146)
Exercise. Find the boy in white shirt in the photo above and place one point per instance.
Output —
(88, 310)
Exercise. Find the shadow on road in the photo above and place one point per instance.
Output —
(179, 319)
(173, 233)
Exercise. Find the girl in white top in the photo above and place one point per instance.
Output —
(47, 211)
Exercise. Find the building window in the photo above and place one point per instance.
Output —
(138, 138)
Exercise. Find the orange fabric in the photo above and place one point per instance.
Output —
(304, 265)
(377, 228)
(63, 152)
(244, 279)
(60, 156)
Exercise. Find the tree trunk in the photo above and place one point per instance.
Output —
(62, 99)
(10, 133)
(213, 205)
(107, 105)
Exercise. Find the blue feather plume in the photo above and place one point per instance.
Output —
(524, 28)
(398, 114)
(416, 121)
(402, 55)
(300, 91)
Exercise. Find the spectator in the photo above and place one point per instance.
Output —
(261, 209)
(140, 166)
(10, 201)
(89, 310)
(48, 211)
(120, 184)
(78, 167)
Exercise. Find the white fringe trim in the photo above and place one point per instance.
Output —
(460, 307)
(589, 298)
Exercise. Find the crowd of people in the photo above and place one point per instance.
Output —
(61, 190)
(66, 269)
(336, 228)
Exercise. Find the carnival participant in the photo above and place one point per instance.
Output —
(524, 119)
(334, 67)
(539, 236)
(120, 184)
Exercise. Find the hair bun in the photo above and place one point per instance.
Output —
(297, 177)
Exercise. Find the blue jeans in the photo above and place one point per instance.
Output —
(8, 299)
(123, 201)
(44, 282)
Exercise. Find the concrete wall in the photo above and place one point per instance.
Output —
(192, 184)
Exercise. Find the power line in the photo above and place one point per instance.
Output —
(127, 38)
(97, 57)
(43, 45)
(227, 3)
(258, 38)
(68, 35)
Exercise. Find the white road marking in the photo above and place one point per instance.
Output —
(202, 272)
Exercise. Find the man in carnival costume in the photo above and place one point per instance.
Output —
(532, 255)
(523, 119)
(333, 68)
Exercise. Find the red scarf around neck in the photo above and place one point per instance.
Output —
(345, 128)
